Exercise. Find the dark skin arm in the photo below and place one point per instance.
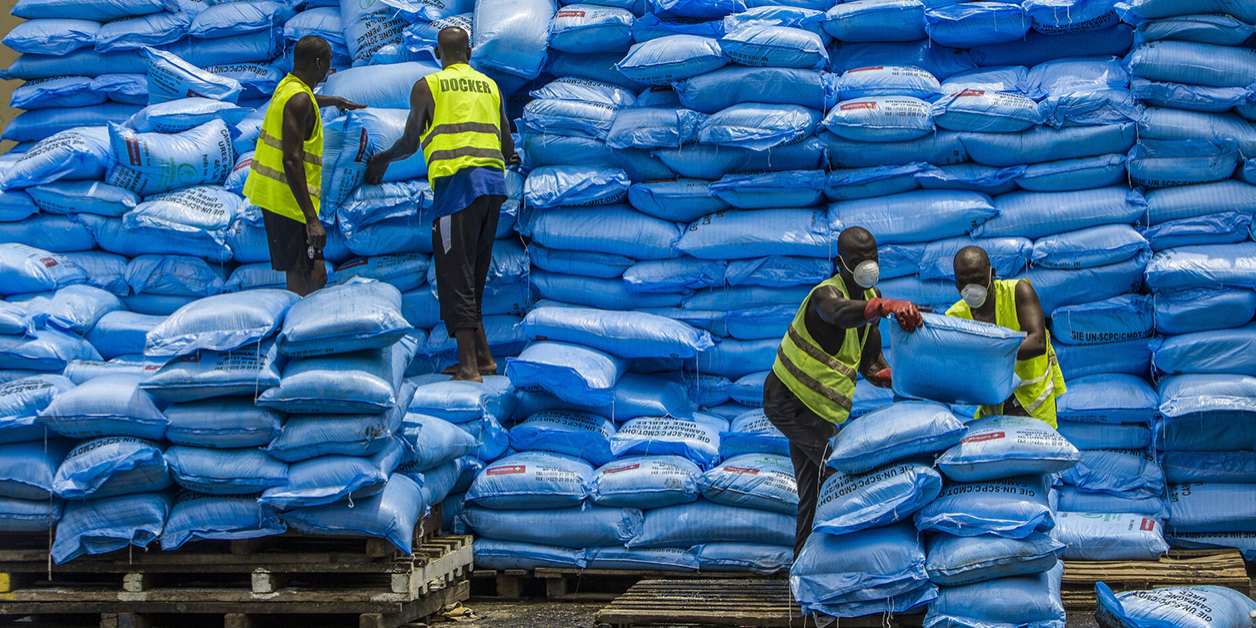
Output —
(422, 109)
(873, 360)
(298, 123)
(837, 310)
(337, 102)
(1032, 322)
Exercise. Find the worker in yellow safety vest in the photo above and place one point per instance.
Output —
(835, 335)
(1011, 303)
(458, 118)
(285, 178)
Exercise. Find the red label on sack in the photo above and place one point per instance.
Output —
(570, 13)
(981, 438)
(354, 264)
(627, 468)
(361, 147)
(48, 262)
(133, 151)
(1148, 525)
(879, 67)
(742, 470)
(194, 94)
(195, 358)
(859, 105)
(514, 469)
(971, 92)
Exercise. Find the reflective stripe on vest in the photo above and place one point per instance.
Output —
(824, 383)
(466, 125)
(267, 183)
(1042, 381)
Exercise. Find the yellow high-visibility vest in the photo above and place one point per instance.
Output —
(267, 184)
(466, 127)
(1041, 378)
(824, 383)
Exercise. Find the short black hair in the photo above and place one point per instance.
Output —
(310, 49)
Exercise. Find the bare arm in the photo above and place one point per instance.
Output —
(1032, 322)
(837, 310)
(422, 107)
(508, 142)
(337, 102)
(296, 119)
(873, 360)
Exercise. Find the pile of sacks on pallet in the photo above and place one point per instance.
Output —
(692, 160)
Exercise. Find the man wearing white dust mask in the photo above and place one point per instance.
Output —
(811, 388)
(1011, 303)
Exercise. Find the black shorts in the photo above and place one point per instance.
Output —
(289, 244)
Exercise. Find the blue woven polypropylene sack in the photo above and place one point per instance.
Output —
(762, 481)
(171, 78)
(26, 269)
(586, 90)
(1042, 144)
(649, 127)
(111, 466)
(748, 390)
(79, 153)
(532, 480)
(871, 565)
(1013, 79)
(329, 479)
(796, 15)
(576, 434)
(1224, 66)
(606, 294)
(925, 361)
(105, 270)
(220, 323)
(43, 350)
(883, 496)
(1155, 163)
(680, 274)
(960, 560)
(896, 432)
(1191, 201)
(390, 514)
(351, 317)
(599, 265)
(715, 91)
(887, 81)
(1125, 317)
(639, 236)
(56, 92)
(1218, 29)
(854, 183)
(208, 374)
(1010, 508)
(757, 558)
(190, 221)
(704, 522)
(1100, 106)
(981, 24)
(777, 272)
(695, 439)
(1217, 467)
(1073, 500)
(672, 58)
(1074, 174)
(494, 554)
(1194, 407)
(1004, 447)
(405, 271)
(1090, 247)
(935, 59)
(303, 438)
(1211, 507)
(222, 423)
(1216, 351)
(950, 213)
(245, 17)
(580, 118)
(1243, 541)
(377, 85)
(1086, 436)
(759, 127)
(52, 36)
(1008, 256)
(100, 526)
(758, 233)
(90, 197)
(752, 432)
(36, 125)
(460, 402)
(21, 401)
(1212, 266)
(588, 28)
(1076, 73)
(177, 116)
(362, 382)
(16, 205)
(199, 516)
(59, 234)
(1016, 601)
(880, 119)
(1221, 228)
(646, 482)
(146, 171)
(1182, 607)
(1159, 123)
(174, 275)
(434, 442)
(1179, 312)
(1129, 356)
(581, 526)
(1071, 16)
(1122, 472)
(29, 469)
(511, 37)
(225, 471)
(699, 9)
(1192, 97)
(800, 188)
(651, 26)
(660, 559)
(624, 334)
(713, 164)
(876, 21)
(576, 374)
(735, 359)
(373, 130)
(764, 45)
(1020, 212)
(105, 406)
(575, 186)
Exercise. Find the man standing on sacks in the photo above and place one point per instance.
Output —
(458, 119)
(835, 335)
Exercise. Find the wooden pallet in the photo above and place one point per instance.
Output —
(582, 585)
(1219, 567)
(749, 602)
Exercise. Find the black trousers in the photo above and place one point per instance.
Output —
(808, 436)
(462, 246)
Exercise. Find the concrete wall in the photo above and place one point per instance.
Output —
(7, 22)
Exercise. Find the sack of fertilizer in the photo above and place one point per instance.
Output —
(43, 350)
(80, 153)
(701, 522)
(378, 86)
(672, 58)
(328, 479)
(111, 466)
(362, 382)
(253, 315)
(30, 468)
(762, 481)
(1005, 446)
(225, 471)
(578, 527)
(1095, 436)
(1185, 467)
(1242, 541)
(105, 406)
(1216, 351)
(512, 37)
(749, 234)
(1180, 607)
(172, 78)
(951, 213)
(1016, 601)
(1185, 311)
(21, 401)
(1211, 508)
(1043, 144)
(209, 374)
(100, 526)
(959, 560)
(697, 439)
(222, 423)
(304, 437)
(574, 373)
(896, 432)
(350, 317)
(660, 559)
(1011, 508)
(759, 127)
(926, 361)
(1126, 317)
(646, 482)
(204, 155)
(576, 434)
(798, 188)
(975, 110)
(1158, 163)
(433, 442)
(715, 91)
(870, 571)
(881, 119)
(390, 514)
(588, 28)
(1109, 536)
(460, 402)
(760, 44)
(494, 554)
(26, 269)
(74, 309)
(186, 114)
(661, 276)
(594, 229)
(883, 496)
(624, 334)
(758, 558)
(532, 480)
(198, 516)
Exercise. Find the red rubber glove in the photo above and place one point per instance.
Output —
(906, 312)
(882, 379)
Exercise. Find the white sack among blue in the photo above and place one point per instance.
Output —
(220, 323)
(578, 527)
(225, 471)
(350, 317)
(896, 219)
(1109, 537)
(29, 469)
(211, 374)
(883, 496)
(672, 58)
(1012, 508)
(646, 482)
(172, 78)
(26, 269)
(704, 522)
(330, 479)
(390, 514)
(1004, 447)
(43, 350)
(198, 516)
(1211, 508)
(959, 560)
(574, 373)
(578, 434)
(895, 432)
(100, 526)
(361, 382)
(925, 361)
(106, 406)
(79, 153)
(1181, 607)
(869, 566)
(881, 119)
(531, 481)
(222, 423)
(111, 466)
(762, 481)
(1004, 603)
(512, 36)
(697, 440)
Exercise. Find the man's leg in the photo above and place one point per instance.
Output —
(489, 211)
(808, 436)
(454, 244)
